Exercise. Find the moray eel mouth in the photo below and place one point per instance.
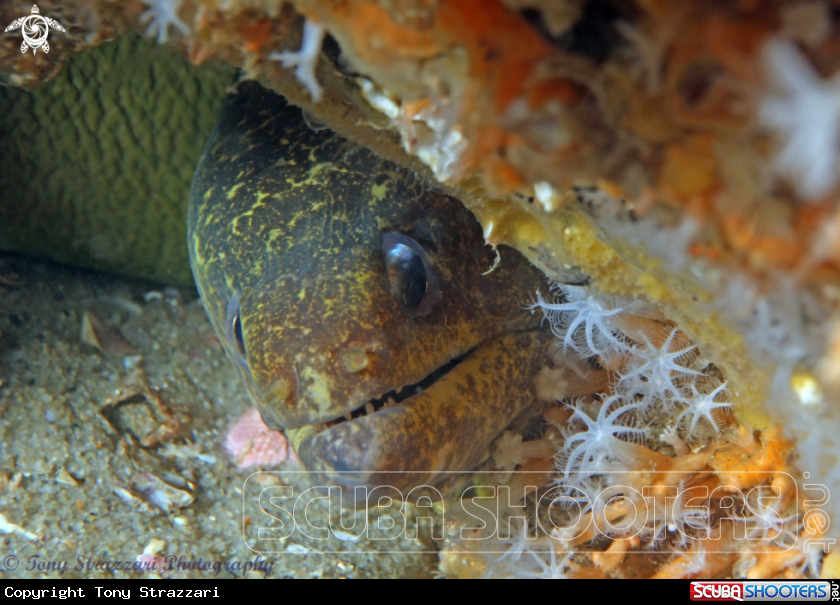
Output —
(393, 397)
(333, 276)
(365, 416)
(424, 432)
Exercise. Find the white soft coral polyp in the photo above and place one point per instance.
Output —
(702, 406)
(306, 59)
(592, 444)
(162, 14)
(805, 113)
(584, 323)
(655, 371)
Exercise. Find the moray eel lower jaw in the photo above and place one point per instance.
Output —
(446, 428)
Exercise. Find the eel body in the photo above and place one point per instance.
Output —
(356, 301)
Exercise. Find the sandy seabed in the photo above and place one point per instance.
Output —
(105, 455)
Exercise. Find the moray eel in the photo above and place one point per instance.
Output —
(356, 301)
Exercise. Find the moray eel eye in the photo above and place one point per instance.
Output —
(237, 333)
(410, 274)
(233, 330)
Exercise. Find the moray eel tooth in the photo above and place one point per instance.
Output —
(350, 295)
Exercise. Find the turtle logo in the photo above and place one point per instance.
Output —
(35, 29)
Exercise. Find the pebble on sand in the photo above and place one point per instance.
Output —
(251, 443)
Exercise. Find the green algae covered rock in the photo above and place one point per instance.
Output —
(96, 165)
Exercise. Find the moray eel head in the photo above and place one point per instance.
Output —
(352, 298)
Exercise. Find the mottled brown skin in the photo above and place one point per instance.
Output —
(293, 220)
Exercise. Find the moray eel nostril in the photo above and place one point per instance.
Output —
(353, 299)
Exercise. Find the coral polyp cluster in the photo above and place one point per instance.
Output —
(654, 466)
